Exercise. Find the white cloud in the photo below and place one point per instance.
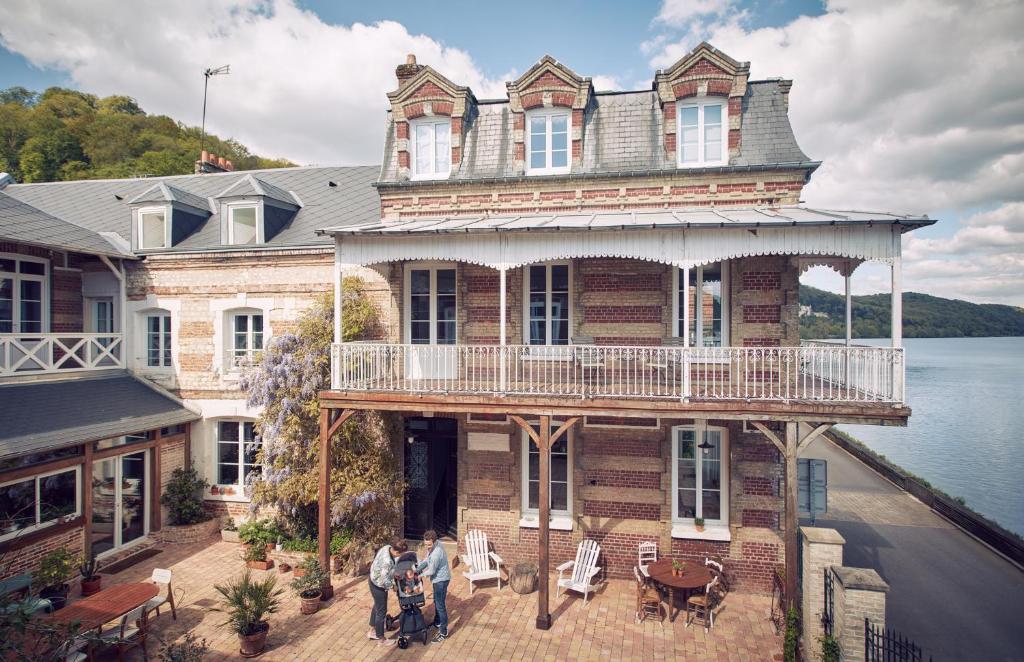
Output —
(299, 87)
(680, 12)
(913, 106)
(604, 83)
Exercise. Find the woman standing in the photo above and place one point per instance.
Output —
(435, 566)
(381, 580)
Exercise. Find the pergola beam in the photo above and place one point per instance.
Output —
(328, 429)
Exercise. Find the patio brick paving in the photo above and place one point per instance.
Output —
(487, 626)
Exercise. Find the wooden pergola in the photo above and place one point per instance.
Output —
(336, 407)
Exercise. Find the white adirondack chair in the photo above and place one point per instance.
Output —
(584, 569)
(480, 559)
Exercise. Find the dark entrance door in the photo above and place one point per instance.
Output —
(431, 475)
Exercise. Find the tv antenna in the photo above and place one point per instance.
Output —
(223, 70)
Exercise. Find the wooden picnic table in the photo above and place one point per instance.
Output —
(107, 605)
(694, 575)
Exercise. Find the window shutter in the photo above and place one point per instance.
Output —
(812, 486)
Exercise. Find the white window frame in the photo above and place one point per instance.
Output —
(230, 211)
(700, 103)
(17, 278)
(547, 303)
(166, 211)
(433, 122)
(548, 114)
(684, 527)
(36, 478)
(234, 359)
(560, 519)
(697, 282)
(433, 268)
(165, 335)
(240, 422)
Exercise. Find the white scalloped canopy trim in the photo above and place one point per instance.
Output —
(832, 245)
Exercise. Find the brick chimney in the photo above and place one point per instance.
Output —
(404, 72)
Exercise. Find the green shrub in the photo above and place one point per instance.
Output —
(55, 569)
(256, 553)
(260, 532)
(792, 640)
(305, 545)
(189, 649)
(830, 650)
(184, 497)
(309, 584)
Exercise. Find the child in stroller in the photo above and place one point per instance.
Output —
(409, 589)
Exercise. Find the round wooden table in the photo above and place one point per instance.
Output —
(105, 606)
(694, 575)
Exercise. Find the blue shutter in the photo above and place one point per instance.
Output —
(812, 486)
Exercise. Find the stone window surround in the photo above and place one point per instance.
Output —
(204, 440)
(222, 310)
(138, 311)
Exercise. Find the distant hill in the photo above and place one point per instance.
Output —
(924, 316)
(65, 134)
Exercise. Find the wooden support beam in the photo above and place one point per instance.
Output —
(154, 502)
(328, 429)
(87, 502)
(544, 439)
(812, 435)
(763, 429)
(791, 515)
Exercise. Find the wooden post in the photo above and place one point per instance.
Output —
(792, 443)
(544, 526)
(87, 501)
(324, 498)
(502, 331)
(154, 504)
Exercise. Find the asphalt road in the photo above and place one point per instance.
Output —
(949, 593)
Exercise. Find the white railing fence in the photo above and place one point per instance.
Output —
(823, 373)
(42, 353)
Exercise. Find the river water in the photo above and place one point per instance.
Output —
(966, 433)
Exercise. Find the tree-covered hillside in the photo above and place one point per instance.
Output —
(924, 316)
(64, 134)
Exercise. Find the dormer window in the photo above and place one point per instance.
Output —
(432, 148)
(701, 132)
(153, 227)
(548, 142)
(242, 225)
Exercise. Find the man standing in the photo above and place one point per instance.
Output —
(435, 566)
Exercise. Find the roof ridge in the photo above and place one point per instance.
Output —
(165, 178)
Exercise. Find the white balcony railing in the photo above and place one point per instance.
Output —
(59, 353)
(826, 373)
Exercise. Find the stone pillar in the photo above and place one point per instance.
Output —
(822, 549)
(859, 594)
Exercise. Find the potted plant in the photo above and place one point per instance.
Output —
(677, 569)
(248, 602)
(229, 532)
(214, 490)
(189, 649)
(54, 570)
(183, 497)
(89, 569)
(698, 524)
(256, 557)
(310, 585)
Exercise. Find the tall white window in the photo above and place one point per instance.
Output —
(708, 304)
(547, 141)
(702, 127)
(242, 227)
(24, 288)
(431, 147)
(153, 228)
(158, 340)
(237, 448)
(700, 474)
(547, 304)
(246, 336)
(561, 474)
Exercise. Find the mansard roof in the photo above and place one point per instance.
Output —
(328, 196)
(623, 133)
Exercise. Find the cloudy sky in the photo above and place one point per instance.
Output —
(913, 105)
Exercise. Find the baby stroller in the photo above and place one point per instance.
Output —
(410, 599)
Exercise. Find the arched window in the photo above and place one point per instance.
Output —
(244, 335)
(156, 325)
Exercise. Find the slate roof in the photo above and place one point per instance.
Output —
(623, 133)
(164, 192)
(23, 223)
(103, 205)
(249, 185)
(707, 217)
(47, 415)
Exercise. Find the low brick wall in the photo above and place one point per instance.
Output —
(179, 535)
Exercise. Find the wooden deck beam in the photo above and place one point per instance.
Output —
(330, 422)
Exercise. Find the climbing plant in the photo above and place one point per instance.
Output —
(285, 383)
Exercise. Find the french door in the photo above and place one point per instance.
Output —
(120, 501)
(431, 321)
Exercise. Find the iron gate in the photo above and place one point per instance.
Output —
(828, 613)
(887, 645)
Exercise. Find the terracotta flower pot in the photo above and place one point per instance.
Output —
(283, 568)
(310, 605)
(91, 586)
(299, 572)
(251, 645)
(261, 565)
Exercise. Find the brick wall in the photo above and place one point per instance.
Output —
(66, 303)
(26, 559)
